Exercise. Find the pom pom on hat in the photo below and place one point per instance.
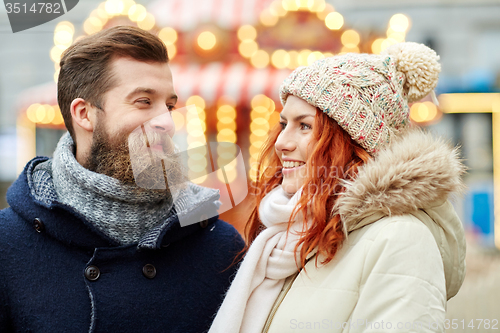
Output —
(367, 94)
(420, 65)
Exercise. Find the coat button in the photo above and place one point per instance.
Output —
(38, 225)
(149, 271)
(92, 273)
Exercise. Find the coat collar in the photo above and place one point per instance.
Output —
(414, 175)
(416, 171)
(68, 226)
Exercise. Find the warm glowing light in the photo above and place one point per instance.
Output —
(137, 12)
(226, 111)
(147, 23)
(101, 14)
(172, 51)
(40, 113)
(65, 26)
(58, 118)
(92, 25)
(168, 35)
(268, 19)
(259, 111)
(178, 119)
(423, 112)
(289, 5)
(399, 36)
(226, 135)
(399, 23)
(377, 45)
(113, 7)
(260, 59)
(304, 4)
(388, 42)
(228, 175)
(261, 100)
(206, 40)
(274, 119)
(294, 62)
(63, 38)
(350, 38)
(247, 32)
(248, 48)
(126, 6)
(48, 115)
(277, 9)
(316, 55)
(196, 100)
(228, 123)
(31, 112)
(55, 53)
(197, 165)
(280, 59)
(259, 125)
(302, 57)
(324, 13)
(334, 21)
(227, 152)
(317, 6)
(346, 49)
(470, 103)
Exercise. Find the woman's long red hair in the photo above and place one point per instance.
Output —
(335, 157)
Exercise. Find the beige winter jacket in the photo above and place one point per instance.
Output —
(404, 255)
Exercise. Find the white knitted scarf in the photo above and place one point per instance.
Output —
(261, 276)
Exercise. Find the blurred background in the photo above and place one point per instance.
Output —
(228, 57)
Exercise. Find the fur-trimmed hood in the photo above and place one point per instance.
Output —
(414, 175)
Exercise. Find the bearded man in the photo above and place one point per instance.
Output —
(84, 248)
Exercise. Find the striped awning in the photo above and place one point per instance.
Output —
(238, 81)
(185, 15)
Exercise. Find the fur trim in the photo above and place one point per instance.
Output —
(415, 171)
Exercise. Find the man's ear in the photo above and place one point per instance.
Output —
(83, 114)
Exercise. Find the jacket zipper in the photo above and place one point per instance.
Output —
(284, 291)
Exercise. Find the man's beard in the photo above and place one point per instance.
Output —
(110, 156)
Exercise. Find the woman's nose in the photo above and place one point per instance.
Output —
(285, 142)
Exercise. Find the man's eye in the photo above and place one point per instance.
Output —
(144, 101)
(171, 107)
(283, 125)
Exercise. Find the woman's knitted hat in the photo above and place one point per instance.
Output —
(367, 94)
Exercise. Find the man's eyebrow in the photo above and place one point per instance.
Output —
(149, 91)
(298, 118)
(139, 90)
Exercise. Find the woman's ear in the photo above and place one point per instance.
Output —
(83, 114)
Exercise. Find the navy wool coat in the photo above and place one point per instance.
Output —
(58, 274)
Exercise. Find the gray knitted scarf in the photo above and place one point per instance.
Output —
(117, 210)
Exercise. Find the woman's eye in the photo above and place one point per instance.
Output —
(171, 107)
(283, 125)
(305, 126)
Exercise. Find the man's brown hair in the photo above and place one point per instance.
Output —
(86, 65)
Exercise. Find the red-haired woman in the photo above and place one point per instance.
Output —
(352, 230)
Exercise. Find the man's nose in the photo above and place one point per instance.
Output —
(163, 124)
